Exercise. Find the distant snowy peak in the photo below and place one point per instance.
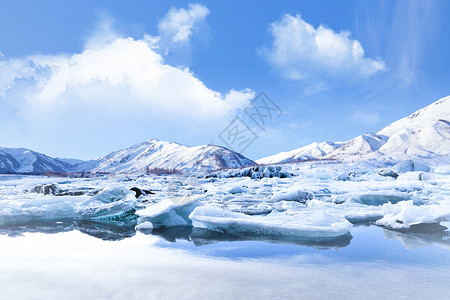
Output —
(311, 151)
(425, 133)
(154, 154)
(21, 160)
(359, 146)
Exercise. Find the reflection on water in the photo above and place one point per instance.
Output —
(73, 265)
(417, 237)
(421, 235)
(201, 237)
(48, 227)
(107, 231)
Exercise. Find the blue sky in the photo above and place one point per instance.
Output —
(84, 78)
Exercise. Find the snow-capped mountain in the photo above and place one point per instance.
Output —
(311, 151)
(359, 146)
(166, 155)
(423, 134)
(23, 160)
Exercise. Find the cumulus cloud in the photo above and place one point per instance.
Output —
(300, 51)
(121, 90)
(179, 24)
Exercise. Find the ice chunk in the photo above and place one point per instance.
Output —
(237, 189)
(170, 212)
(31, 208)
(376, 198)
(346, 176)
(111, 203)
(293, 194)
(409, 166)
(307, 225)
(405, 214)
(353, 212)
(256, 172)
(387, 173)
(417, 175)
(249, 208)
(145, 226)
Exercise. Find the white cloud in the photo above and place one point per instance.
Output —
(121, 90)
(178, 25)
(366, 118)
(12, 70)
(300, 51)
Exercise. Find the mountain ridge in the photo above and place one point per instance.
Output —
(423, 134)
(138, 158)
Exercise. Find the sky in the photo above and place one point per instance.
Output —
(84, 78)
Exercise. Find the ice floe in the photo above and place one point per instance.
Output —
(308, 225)
(406, 214)
(111, 203)
(376, 198)
(170, 212)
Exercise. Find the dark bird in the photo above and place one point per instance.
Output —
(140, 192)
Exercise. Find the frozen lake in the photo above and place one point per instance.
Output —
(309, 236)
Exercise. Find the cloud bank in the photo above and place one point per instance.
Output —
(117, 91)
(299, 51)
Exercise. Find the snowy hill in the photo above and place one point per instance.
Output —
(23, 160)
(166, 155)
(358, 147)
(423, 134)
(311, 151)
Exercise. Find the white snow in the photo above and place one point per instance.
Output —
(309, 152)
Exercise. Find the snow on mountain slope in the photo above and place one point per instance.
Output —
(24, 160)
(425, 133)
(358, 147)
(166, 155)
(311, 151)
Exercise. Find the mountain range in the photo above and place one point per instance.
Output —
(423, 134)
(141, 158)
